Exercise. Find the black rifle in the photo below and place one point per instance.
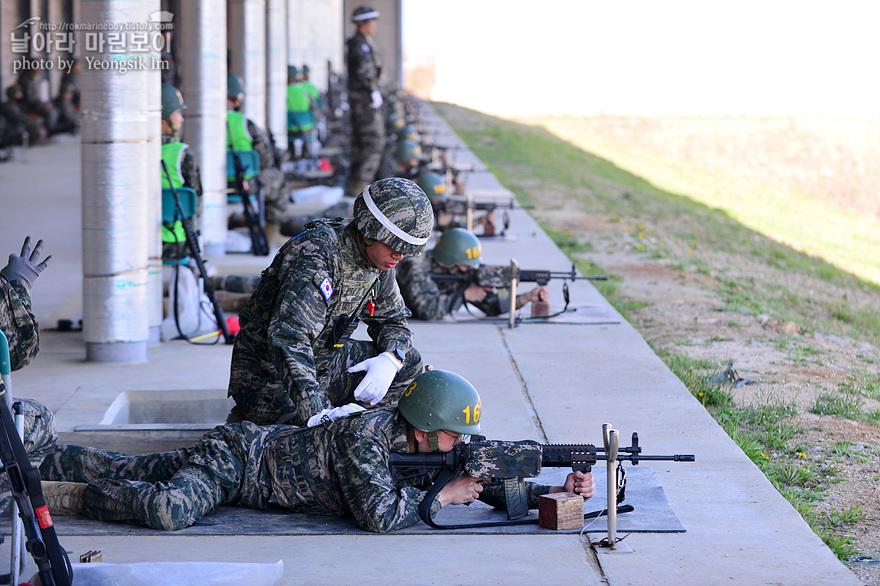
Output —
(41, 539)
(459, 206)
(193, 244)
(258, 237)
(509, 462)
(499, 276)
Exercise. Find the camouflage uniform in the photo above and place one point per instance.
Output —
(282, 371)
(340, 469)
(429, 300)
(367, 123)
(21, 329)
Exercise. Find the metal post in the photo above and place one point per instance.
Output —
(514, 274)
(611, 454)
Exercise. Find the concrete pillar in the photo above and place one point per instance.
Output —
(203, 84)
(246, 37)
(9, 19)
(154, 177)
(114, 193)
(276, 71)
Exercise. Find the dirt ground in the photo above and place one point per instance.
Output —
(682, 315)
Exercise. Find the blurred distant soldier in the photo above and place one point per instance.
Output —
(367, 123)
(67, 101)
(36, 97)
(182, 166)
(19, 126)
(302, 107)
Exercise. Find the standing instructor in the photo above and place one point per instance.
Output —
(367, 123)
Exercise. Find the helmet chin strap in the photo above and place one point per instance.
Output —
(433, 442)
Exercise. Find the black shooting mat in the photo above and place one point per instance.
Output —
(652, 514)
(585, 314)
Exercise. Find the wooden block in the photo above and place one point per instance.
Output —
(560, 511)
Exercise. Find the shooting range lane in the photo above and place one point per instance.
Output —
(539, 381)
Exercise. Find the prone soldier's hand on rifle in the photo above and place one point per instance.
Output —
(461, 490)
(578, 483)
(475, 293)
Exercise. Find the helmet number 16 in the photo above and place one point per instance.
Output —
(467, 414)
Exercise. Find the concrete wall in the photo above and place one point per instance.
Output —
(388, 38)
(315, 36)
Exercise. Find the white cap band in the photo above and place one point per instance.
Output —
(388, 224)
(365, 16)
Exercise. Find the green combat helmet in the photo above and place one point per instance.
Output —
(408, 132)
(171, 101)
(441, 400)
(457, 247)
(397, 213)
(234, 87)
(408, 150)
(433, 185)
(396, 121)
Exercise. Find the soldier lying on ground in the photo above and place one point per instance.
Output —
(293, 360)
(340, 468)
(456, 251)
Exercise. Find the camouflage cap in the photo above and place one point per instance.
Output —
(457, 247)
(364, 13)
(397, 213)
(441, 400)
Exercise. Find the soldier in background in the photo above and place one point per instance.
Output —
(19, 324)
(340, 468)
(293, 360)
(182, 167)
(367, 122)
(20, 128)
(456, 251)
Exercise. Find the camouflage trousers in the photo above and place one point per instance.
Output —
(170, 490)
(39, 441)
(267, 402)
(367, 141)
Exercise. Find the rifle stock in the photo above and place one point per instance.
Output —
(193, 245)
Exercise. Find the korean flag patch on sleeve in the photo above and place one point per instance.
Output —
(326, 288)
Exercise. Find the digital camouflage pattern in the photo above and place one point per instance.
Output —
(367, 123)
(39, 440)
(429, 300)
(498, 459)
(340, 469)
(282, 371)
(403, 203)
(22, 331)
(18, 322)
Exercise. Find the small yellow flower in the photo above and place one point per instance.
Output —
(641, 234)
(641, 226)
(567, 234)
(690, 250)
(626, 228)
(802, 455)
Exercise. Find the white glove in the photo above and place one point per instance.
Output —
(375, 99)
(380, 373)
(334, 414)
